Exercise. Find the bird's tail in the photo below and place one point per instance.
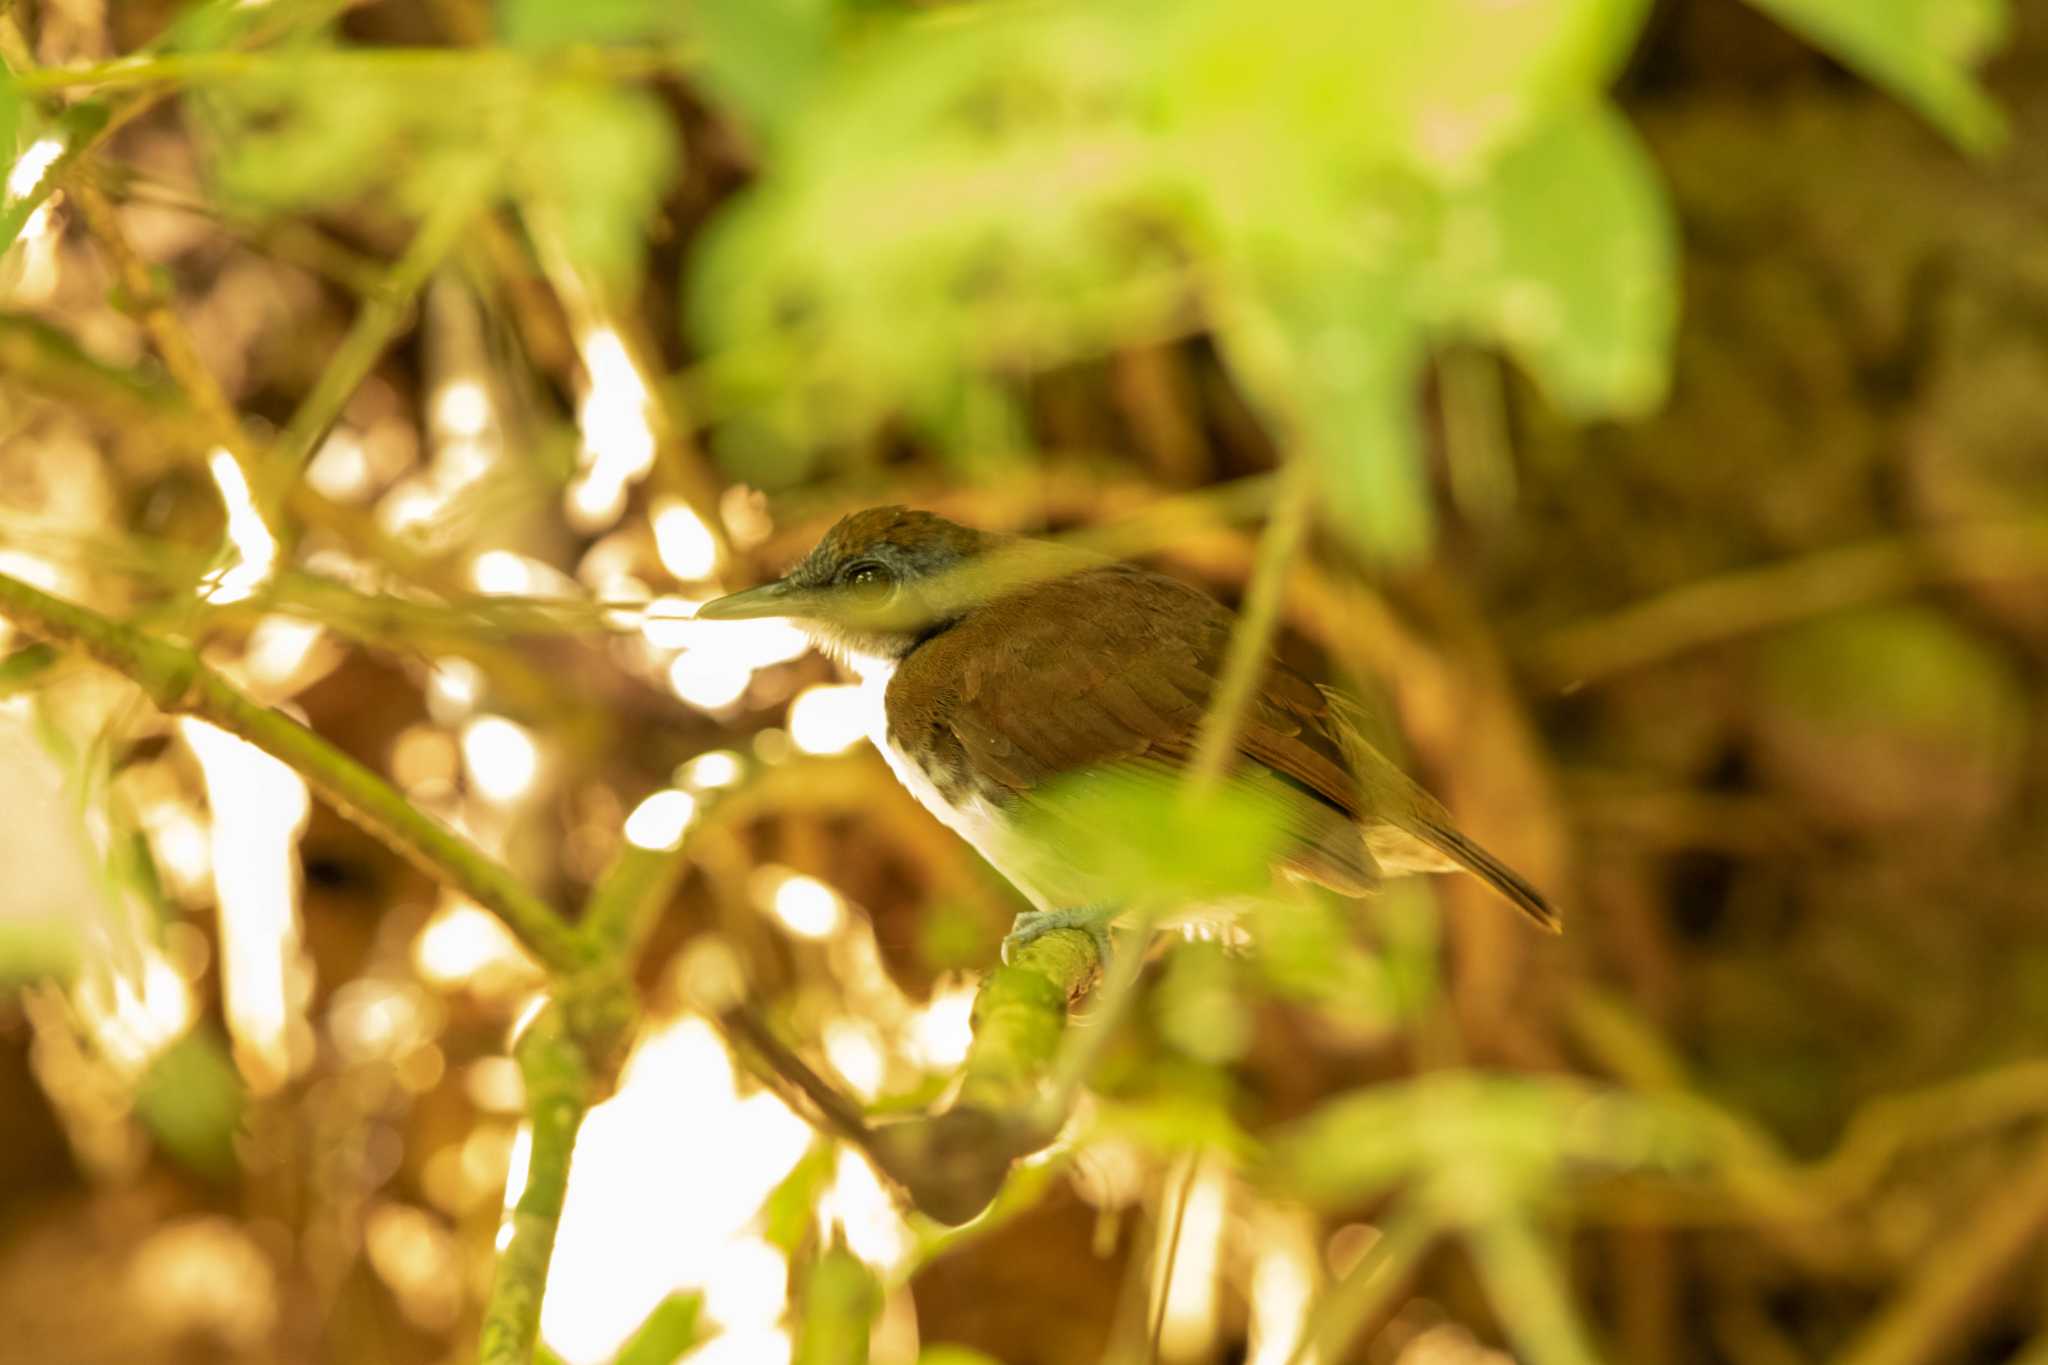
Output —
(1414, 832)
(1489, 869)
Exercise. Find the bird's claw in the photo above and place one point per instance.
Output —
(1092, 920)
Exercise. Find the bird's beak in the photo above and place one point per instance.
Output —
(780, 598)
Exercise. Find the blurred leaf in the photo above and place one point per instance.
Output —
(946, 1354)
(73, 130)
(191, 1101)
(1307, 951)
(216, 25)
(965, 202)
(1322, 335)
(319, 126)
(24, 666)
(1889, 715)
(1481, 1142)
(666, 1334)
(1131, 829)
(551, 23)
(789, 1210)
(600, 160)
(10, 115)
(1566, 253)
(763, 57)
(1920, 50)
(841, 1300)
(1198, 1006)
(1179, 1118)
(1529, 1287)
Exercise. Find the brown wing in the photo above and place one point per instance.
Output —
(1047, 682)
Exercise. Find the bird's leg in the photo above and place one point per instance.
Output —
(1092, 920)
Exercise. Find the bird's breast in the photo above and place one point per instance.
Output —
(932, 768)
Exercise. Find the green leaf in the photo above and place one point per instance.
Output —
(318, 126)
(945, 1353)
(958, 201)
(1436, 88)
(191, 1101)
(1142, 843)
(1321, 332)
(599, 161)
(1199, 1007)
(841, 1299)
(667, 1334)
(1920, 50)
(10, 116)
(762, 58)
(1566, 253)
(1477, 1139)
(559, 23)
(789, 1210)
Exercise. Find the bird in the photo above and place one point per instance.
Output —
(996, 667)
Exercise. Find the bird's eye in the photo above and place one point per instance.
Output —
(869, 581)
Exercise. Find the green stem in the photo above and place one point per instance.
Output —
(1251, 643)
(1527, 1289)
(558, 1092)
(176, 680)
(382, 314)
(341, 64)
(1937, 1303)
(1368, 1288)
(627, 900)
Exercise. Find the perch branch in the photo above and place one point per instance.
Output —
(954, 1162)
(558, 1093)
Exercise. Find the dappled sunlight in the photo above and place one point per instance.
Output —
(667, 1178)
(618, 440)
(828, 719)
(259, 805)
(1196, 1206)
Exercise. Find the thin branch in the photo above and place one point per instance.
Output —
(340, 64)
(176, 680)
(1925, 1322)
(1526, 1287)
(1180, 1213)
(174, 344)
(1368, 1288)
(626, 901)
(1251, 643)
(558, 1093)
(1733, 605)
(382, 314)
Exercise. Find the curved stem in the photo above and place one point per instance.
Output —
(175, 679)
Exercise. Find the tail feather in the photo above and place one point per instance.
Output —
(1491, 870)
(1394, 803)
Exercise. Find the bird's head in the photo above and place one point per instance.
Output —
(879, 583)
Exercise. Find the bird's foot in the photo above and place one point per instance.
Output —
(1092, 920)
